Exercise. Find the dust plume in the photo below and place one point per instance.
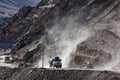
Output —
(62, 40)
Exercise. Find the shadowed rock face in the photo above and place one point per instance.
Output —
(9, 7)
(48, 74)
(26, 31)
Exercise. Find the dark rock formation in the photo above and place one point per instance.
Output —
(9, 7)
(53, 74)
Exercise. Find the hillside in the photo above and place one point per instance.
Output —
(84, 33)
(9, 7)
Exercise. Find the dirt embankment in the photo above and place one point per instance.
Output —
(53, 74)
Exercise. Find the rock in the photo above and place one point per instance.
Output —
(97, 50)
(25, 35)
(52, 74)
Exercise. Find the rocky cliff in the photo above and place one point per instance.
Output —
(83, 32)
(9, 7)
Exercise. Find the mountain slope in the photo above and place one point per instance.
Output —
(9, 7)
(82, 32)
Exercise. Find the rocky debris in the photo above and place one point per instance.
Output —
(101, 47)
(97, 49)
(55, 74)
(97, 15)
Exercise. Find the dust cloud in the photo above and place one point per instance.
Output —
(62, 40)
